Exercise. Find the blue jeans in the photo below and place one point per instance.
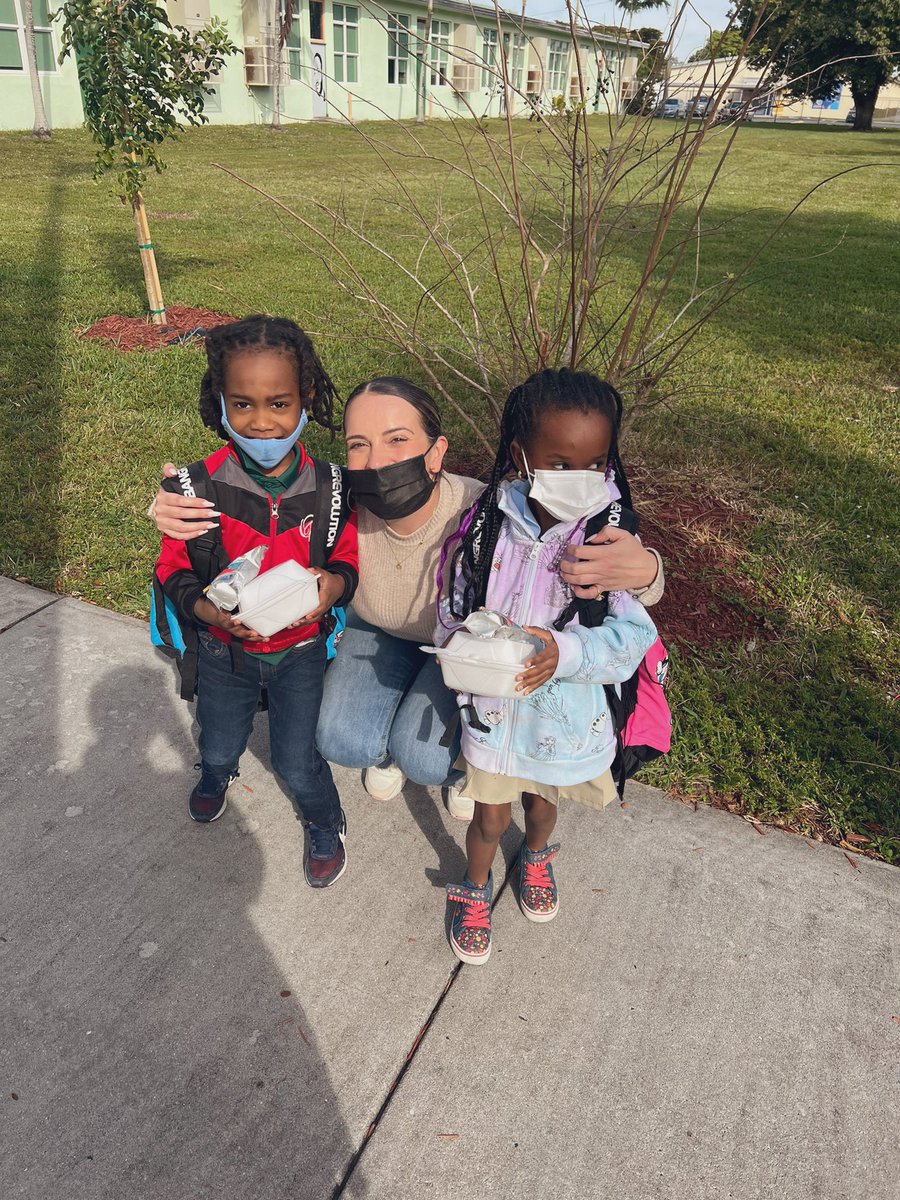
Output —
(384, 699)
(226, 704)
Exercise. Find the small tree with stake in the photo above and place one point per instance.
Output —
(141, 79)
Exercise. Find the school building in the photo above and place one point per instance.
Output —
(350, 62)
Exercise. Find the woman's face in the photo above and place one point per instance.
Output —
(380, 430)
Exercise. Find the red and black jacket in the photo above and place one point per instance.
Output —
(251, 517)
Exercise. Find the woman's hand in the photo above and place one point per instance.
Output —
(206, 611)
(611, 561)
(542, 666)
(331, 588)
(181, 517)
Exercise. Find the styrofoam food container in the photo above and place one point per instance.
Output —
(482, 666)
(276, 597)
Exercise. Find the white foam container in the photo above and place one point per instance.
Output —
(482, 666)
(274, 599)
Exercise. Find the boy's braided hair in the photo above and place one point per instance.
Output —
(258, 333)
(546, 391)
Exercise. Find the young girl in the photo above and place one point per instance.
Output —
(555, 741)
(262, 381)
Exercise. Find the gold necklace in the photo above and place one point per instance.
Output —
(406, 557)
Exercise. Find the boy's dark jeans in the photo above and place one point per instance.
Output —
(226, 704)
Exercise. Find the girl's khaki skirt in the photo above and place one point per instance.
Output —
(504, 789)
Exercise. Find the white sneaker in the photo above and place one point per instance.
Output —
(384, 783)
(459, 806)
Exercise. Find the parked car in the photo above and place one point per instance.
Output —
(697, 107)
(734, 110)
(671, 108)
(851, 116)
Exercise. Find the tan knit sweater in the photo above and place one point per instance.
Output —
(398, 572)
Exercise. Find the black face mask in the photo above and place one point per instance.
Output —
(395, 491)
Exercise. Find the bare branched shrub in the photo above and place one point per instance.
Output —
(579, 241)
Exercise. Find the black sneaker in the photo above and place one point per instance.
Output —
(206, 808)
(326, 859)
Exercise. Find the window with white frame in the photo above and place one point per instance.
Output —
(439, 53)
(558, 66)
(345, 33)
(489, 57)
(294, 46)
(398, 48)
(514, 49)
(12, 37)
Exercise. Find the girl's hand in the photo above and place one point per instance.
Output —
(611, 561)
(181, 517)
(543, 666)
(331, 588)
(206, 611)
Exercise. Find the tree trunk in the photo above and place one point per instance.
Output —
(41, 128)
(280, 17)
(865, 100)
(425, 68)
(276, 73)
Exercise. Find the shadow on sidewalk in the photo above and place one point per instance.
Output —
(152, 1042)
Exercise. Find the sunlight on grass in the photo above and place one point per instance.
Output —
(787, 408)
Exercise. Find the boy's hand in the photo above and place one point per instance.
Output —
(206, 611)
(331, 588)
(181, 517)
(542, 666)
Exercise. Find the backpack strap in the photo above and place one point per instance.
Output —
(487, 549)
(327, 508)
(206, 552)
(207, 558)
(592, 613)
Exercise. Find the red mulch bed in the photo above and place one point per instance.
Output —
(701, 540)
(136, 333)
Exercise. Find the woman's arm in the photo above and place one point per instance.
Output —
(613, 561)
(181, 517)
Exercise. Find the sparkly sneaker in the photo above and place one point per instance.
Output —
(470, 928)
(538, 897)
(384, 783)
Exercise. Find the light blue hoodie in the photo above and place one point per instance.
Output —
(561, 733)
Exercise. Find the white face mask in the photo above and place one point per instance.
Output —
(568, 495)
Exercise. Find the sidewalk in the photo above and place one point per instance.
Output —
(714, 1013)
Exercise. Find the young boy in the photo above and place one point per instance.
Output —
(262, 375)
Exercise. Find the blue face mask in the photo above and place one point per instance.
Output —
(268, 452)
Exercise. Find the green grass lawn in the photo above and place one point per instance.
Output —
(787, 410)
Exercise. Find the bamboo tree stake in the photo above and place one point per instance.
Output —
(148, 262)
(148, 259)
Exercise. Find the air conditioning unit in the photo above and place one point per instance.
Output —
(256, 66)
(463, 77)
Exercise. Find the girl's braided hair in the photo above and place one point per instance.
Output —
(258, 333)
(546, 391)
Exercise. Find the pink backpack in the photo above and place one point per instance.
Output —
(641, 716)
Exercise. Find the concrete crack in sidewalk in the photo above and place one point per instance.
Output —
(407, 1063)
(33, 613)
